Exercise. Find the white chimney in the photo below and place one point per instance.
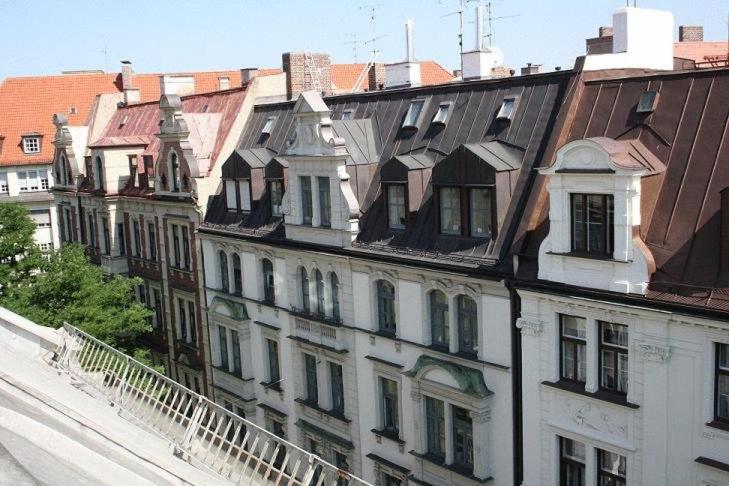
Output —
(479, 27)
(404, 74)
(642, 39)
(480, 63)
(177, 84)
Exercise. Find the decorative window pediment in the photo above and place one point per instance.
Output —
(464, 379)
(228, 308)
(605, 155)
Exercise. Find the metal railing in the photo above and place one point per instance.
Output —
(205, 433)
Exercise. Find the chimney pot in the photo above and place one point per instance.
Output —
(127, 74)
(247, 74)
(690, 33)
(605, 32)
(531, 69)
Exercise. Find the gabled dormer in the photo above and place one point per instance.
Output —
(319, 205)
(70, 148)
(594, 215)
(176, 164)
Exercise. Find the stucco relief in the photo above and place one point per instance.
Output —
(585, 414)
(529, 327)
(654, 352)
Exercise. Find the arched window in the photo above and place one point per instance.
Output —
(237, 275)
(223, 261)
(467, 325)
(334, 281)
(319, 281)
(304, 279)
(99, 175)
(438, 318)
(268, 282)
(175, 172)
(386, 306)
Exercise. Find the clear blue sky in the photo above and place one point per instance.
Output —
(48, 36)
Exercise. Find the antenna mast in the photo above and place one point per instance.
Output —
(372, 8)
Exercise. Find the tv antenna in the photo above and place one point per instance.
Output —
(355, 45)
(372, 8)
(490, 19)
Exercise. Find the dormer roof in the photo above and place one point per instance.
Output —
(604, 154)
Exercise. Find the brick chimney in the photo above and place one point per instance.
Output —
(602, 44)
(376, 77)
(690, 33)
(247, 74)
(305, 70)
(131, 94)
(531, 69)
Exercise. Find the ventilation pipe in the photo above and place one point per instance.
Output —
(479, 27)
(407, 73)
(482, 62)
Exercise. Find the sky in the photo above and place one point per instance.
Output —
(50, 36)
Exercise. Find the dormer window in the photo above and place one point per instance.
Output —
(276, 191)
(123, 121)
(477, 219)
(441, 116)
(223, 83)
(307, 207)
(133, 169)
(268, 127)
(396, 214)
(592, 224)
(347, 114)
(508, 107)
(238, 195)
(175, 172)
(31, 145)
(648, 102)
(450, 210)
(413, 114)
(325, 202)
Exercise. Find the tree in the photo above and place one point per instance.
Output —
(20, 257)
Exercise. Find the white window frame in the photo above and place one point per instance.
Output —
(31, 145)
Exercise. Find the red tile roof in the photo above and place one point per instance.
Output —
(701, 51)
(345, 75)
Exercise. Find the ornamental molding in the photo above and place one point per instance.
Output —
(583, 414)
(529, 327)
(654, 352)
(482, 416)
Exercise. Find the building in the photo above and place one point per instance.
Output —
(355, 265)
(622, 283)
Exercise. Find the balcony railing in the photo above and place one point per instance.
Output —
(317, 332)
(206, 434)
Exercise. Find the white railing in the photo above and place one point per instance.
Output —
(203, 432)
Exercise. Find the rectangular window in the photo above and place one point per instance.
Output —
(276, 188)
(307, 210)
(274, 374)
(413, 114)
(573, 336)
(69, 227)
(613, 357)
(571, 462)
(235, 344)
(223, 336)
(192, 320)
(435, 428)
(245, 195)
(481, 213)
(450, 210)
(133, 169)
(312, 388)
(44, 185)
(388, 480)
(120, 237)
(325, 202)
(507, 109)
(390, 407)
(231, 197)
(23, 181)
(441, 115)
(592, 224)
(386, 307)
(3, 182)
(182, 321)
(176, 244)
(722, 382)
(268, 127)
(186, 248)
(92, 232)
(137, 240)
(610, 468)
(158, 316)
(152, 240)
(141, 294)
(396, 210)
(462, 438)
(336, 375)
(31, 145)
(107, 237)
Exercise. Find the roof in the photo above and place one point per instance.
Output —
(28, 104)
(680, 206)
(345, 75)
(701, 52)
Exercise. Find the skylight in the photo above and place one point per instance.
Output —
(347, 114)
(441, 116)
(648, 102)
(413, 114)
(508, 107)
(268, 127)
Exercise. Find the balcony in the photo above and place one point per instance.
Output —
(114, 264)
(233, 383)
(318, 332)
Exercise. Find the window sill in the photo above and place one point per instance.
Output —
(272, 385)
(719, 424)
(605, 396)
(589, 256)
(388, 435)
(187, 345)
(386, 334)
(238, 376)
(466, 472)
(315, 406)
(315, 316)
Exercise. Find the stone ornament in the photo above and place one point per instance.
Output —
(654, 352)
(529, 327)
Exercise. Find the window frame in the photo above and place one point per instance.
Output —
(336, 387)
(223, 268)
(152, 241)
(442, 120)
(389, 203)
(491, 211)
(718, 373)
(324, 190)
(576, 341)
(307, 201)
(408, 122)
(237, 274)
(269, 288)
(436, 445)
(274, 365)
(319, 290)
(503, 114)
(276, 209)
(462, 422)
(608, 217)
(311, 381)
(305, 290)
(137, 235)
(462, 314)
(384, 296)
(28, 142)
(439, 338)
(334, 286)
(566, 460)
(389, 422)
(618, 350)
(458, 208)
(615, 479)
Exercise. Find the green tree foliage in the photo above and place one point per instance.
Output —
(20, 257)
(66, 287)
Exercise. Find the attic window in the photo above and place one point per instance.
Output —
(268, 127)
(347, 114)
(31, 145)
(124, 121)
(648, 102)
(72, 110)
(224, 83)
(441, 116)
(508, 107)
(413, 114)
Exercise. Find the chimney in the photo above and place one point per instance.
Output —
(531, 69)
(605, 32)
(482, 62)
(690, 33)
(376, 77)
(177, 84)
(479, 27)
(642, 39)
(307, 71)
(247, 74)
(404, 74)
(131, 94)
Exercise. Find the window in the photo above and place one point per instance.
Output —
(268, 127)
(388, 480)
(120, 237)
(28, 180)
(149, 170)
(223, 262)
(191, 319)
(133, 169)
(610, 469)
(721, 410)
(306, 204)
(31, 145)
(480, 212)
(386, 306)
(3, 182)
(450, 210)
(319, 286)
(46, 247)
(158, 316)
(441, 116)
(68, 226)
(573, 335)
(462, 438)
(237, 275)
(176, 244)
(571, 462)
(92, 232)
(396, 212)
(312, 387)
(508, 107)
(175, 172)
(336, 376)
(231, 197)
(274, 374)
(107, 237)
(613, 357)
(141, 294)
(304, 279)
(325, 202)
(390, 407)
(276, 189)
(347, 114)
(186, 321)
(592, 224)
(43, 175)
(152, 240)
(334, 282)
(467, 325)
(223, 83)
(223, 335)
(435, 428)
(268, 281)
(235, 344)
(438, 319)
(413, 114)
(99, 174)
(648, 102)
(186, 248)
(245, 194)
(137, 240)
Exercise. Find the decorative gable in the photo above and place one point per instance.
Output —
(452, 375)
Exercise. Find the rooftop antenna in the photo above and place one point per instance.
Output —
(105, 51)
(459, 12)
(491, 18)
(372, 9)
(355, 45)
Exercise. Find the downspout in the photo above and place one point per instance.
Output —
(516, 388)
